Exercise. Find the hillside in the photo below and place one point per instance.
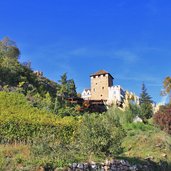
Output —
(31, 138)
(39, 129)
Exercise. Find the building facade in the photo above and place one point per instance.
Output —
(116, 95)
(100, 81)
(102, 89)
(86, 94)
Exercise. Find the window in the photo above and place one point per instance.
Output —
(94, 89)
(101, 95)
(96, 83)
(102, 88)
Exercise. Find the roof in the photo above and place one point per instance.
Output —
(101, 72)
(87, 89)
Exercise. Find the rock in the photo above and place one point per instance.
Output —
(133, 168)
(159, 145)
(74, 165)
(106, 168)
(112, 165)
(94, 166)
(86, 165)
(164, 155)
(107, 162)
(80, 166)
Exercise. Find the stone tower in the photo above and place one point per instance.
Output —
(100, 81)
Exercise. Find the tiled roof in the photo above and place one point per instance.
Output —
(101, 72)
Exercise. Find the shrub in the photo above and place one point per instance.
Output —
(100, 135)
(20, 122)
(123, 117)
(163, 118)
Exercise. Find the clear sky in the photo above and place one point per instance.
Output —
(131, 39)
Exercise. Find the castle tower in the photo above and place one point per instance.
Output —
(100, 81)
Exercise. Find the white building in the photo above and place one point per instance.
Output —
(116, 95)
(86, 94)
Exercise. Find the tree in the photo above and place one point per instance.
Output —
(145, 104)
(58, 104)
(144, 96)
(167, 87)
(66, 88)
(9, 71)
(8, 48)
(62, 90)
(72, 88)
(100, 135)
(163, 118)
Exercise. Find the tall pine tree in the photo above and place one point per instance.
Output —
(62, 89)
(145, 104)
(72, 88)
(66, 89)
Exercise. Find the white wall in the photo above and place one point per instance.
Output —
(86, 95)
(115, 94)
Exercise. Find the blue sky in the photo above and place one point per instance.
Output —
(131, 39)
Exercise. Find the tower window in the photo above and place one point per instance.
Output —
(102, 88)
(94, 89)
(101, 95)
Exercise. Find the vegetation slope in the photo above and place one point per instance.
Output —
(38, 128)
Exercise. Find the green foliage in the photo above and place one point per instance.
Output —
(99, 135)
(9, 69)
(146, 104)
(46, 133)
(19, 122)
(14, 76)
(66, 87)
(68, 111)
(72, 88)
(146, 111)
(32, 137)
(144, 96)
(8, 49)
(40, 91)
(134, 109)
(58, 104)
(123, 117)
(146, 141)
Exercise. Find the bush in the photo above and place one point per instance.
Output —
(123, 117)
(163, 118)
(20, 122)
(99, 135)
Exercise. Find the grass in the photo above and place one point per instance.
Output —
(146, 141)
(142, 142)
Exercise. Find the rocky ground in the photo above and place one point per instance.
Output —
(113, 165)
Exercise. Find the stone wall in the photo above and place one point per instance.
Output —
(99, 86)
(116, 165)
